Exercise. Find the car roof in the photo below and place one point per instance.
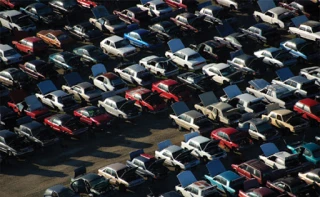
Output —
(116, 98)
(141, 31)
(282, 111)
(84, 84)
(114, 38)
(264, 191)
(58, 93)
(169, 82)
(193, 114)
(229, 175)
(32, 39)
(200, 139)
(139, 90)
(90, 107)
(258, 164)
(282, 154)
(187, 51)
(278, 10)
(90, 176)
(117, 166)
(311, 23)
(173, 148)
(136, 67)
(309, 102)
(246, 97)
(221, 105)
(220, 66)
(156, 2)
(5, 47)
(11, 12)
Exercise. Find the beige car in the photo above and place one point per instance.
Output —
(122, 176)
(287, 120)
(311, 177)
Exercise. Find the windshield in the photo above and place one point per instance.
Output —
(62, 37)
(10, 52)
(194, 56)
(121, 43)
(90, 89)
(227, 71)
(116, 81)
(95, 112)
(44, 10)
(315, 109)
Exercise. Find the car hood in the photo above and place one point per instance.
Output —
(102, 118)
(129, 103)
(127, 48)
(235, 76)
(128, 172)
(15, 56)
(183, 154)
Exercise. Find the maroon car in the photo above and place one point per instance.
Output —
(146, 100)
(13, 4)
(39, 69)
(133, 15)
(65, 124)
(31, 45)
(309, 109)
(189, 22)
(188, 5)
(253, 189)
(93, 116)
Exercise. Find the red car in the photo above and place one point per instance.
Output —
(146, 100)
(309, 108)
(27, 105)
(39, 69)
(13, 4)
(231, 139)
(87, 3)
(31, 45)
(93, 116)
(171, 90)
(133, 15)
(65, 124)
(261, 192)
(189, 5)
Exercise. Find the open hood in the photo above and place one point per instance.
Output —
(72, 79)
(188, 136)
(183, 154)
(17, 96)
(136, 153)
(175, 45)
(179, 108)
(98, 69)
(33, 103)
(215, 167)
(144, 1)
(164, 144)
(128, 172)
(299, 20)
(225, 29)
(284, 73)
(23, 120)
(100, 11)
(266, 5)
(232, 91)
(269, 149)
(186, 178)
(259, 84)
(208, 98)
(158, 162)
(46, 86)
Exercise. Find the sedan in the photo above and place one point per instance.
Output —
(65, 60)
(301, 49)
(55, 38)
(143, 38)
(13, 77)
(31, 45)
(91, 54)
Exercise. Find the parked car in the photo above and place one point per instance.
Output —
(311, 73)
(55, 38)
(287, 120)
(66, 60)
(223, 73)
(308, 30)
(276, 57)
(133, 15)
(59, 191)
(91, 54)
(121, 176)
(309, 151)
(301, 49)
(235, 41)
(8, 117)
(184, 57)
(309, 109)
(155, 7)
(301, 7)
(65, 7)
(107, 81)
(147, 165)
(197, 82)
(120, 107)
(261, 33)
(65, 124)
(84, 31)
(117, 46)
(189, 22)
(94, 117)
(311, 177)
(14, 78)
(188, 5)
(146, 100)
(159, 65)
(135, 74)
(171, 90)
(165, 30)
(31, 45)
(16, 21)
(234, 4)
(38, 70)
(232, 139)
(143, 38)
(249, 65)
(8, 55)
(175, 156)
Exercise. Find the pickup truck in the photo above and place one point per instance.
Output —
(309, 30)
(278, 16)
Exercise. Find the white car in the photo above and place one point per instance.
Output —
(15, 20)
(159, 65)
(202, 147)
(223, 73)
(276, 57)
(155, 7)
(190, 187)
(175, 156)
(309, 30)
(184, 57)
(9, 55)
(117, 46)
(135, 74)
(233, 4)
(311, 73)
(107, 81)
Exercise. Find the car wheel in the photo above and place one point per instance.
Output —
(186, 67)
(258, 19)
(120, 116)
(177, 169)
(191, 130)
(204, 159)
(318, 42)
(232, 7)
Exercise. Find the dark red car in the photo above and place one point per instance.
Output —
(189, 5)
(13, 4)
(189, 22)
(309, 108)
(27, 105)
(257, 169)
(87, 3)
(146, 99)
(231, 139)
(31, 45)
(261, 192)
(65, 124)
(93, 116)
(171, 90)
(39, 69)
(133, 15)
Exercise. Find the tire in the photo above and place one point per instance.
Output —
(120, 116)
(177, 169)
(258, 19)
(204, 160)
(232, 7)
(191, 130)
(173, 123)
(186, 67)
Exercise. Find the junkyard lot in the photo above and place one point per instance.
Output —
(55, 165)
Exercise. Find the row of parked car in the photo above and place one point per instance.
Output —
(261, 115)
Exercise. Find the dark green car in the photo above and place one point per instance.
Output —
(65, 60)
(91, 54)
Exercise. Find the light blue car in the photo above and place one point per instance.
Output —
(301, 48)
(226, 181)
(310, 151)
(143, 38)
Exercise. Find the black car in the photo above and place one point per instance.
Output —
(4, 94)
(39, 69)
(91, 54)
(262, 33)
(41, 13)
(14, 78)
(84, 31)
(35, 132)
(64, 7)
(90, 183)
(59, 191)
(197, 82)
(166, 30)
(12, 144)
(8, 116)
(249, 65)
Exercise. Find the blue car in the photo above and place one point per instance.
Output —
(310, 151)
(226, 181)
(302, 49)
(143, 38)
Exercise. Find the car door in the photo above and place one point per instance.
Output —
(85, 117)
(55, 124)
(269, 17)
(5, 78)
(243, 170)
(215, 75)
(123, 16)
(31, 70)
